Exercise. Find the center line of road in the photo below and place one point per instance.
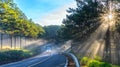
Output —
(40, 62)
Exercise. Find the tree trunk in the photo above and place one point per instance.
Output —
(15, 42)
(11, 37)
(25, 42)
(108, 46)
(1, 40)
(20, 42)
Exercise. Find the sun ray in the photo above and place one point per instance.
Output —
(109, 15)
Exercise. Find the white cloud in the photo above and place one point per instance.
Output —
(56, 16)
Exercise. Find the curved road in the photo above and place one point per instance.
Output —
(56, 60)
(49, 58)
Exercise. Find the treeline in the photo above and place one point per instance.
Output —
(51, 32)
(84, 19)
(15, 23)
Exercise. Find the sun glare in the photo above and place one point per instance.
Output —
(110, 16)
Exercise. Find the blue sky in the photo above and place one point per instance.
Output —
(45, 12)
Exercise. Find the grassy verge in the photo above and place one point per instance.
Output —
(87, 62)
(115, 66)
(7, 56)
(96, 62)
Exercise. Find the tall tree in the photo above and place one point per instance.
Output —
(82, 20)
(14, 22)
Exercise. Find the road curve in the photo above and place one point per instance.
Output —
(55, 60)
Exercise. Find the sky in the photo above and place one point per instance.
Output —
(46, 12)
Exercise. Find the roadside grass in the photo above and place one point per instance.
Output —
(96, 62)
(88, 62)
(11, 55)
(115, 66)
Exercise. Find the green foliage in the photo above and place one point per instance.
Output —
(14, 22)
(64, 33)
(93, 63)
(98, 58)
(115, 66)
(40, 30)
(103, 64)
(81, 20)
(13, 55)
(85, 61)
(51, 31)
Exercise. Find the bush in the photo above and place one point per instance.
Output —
(96, 62)
(93, 63)
(115, 66)
(85, 60)
(98, 58)
(103, 64)
(13, 55)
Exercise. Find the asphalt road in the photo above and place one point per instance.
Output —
(49, 58)
(55, 60)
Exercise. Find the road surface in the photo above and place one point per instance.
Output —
(56, 60)
(49, 58)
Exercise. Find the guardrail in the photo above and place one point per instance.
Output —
(73, 57)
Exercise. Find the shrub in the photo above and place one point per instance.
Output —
(13, 55)
(96, 62)
(103, 64)
(98, 58)
(93, 63)
(115, 66)
(85, 60)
